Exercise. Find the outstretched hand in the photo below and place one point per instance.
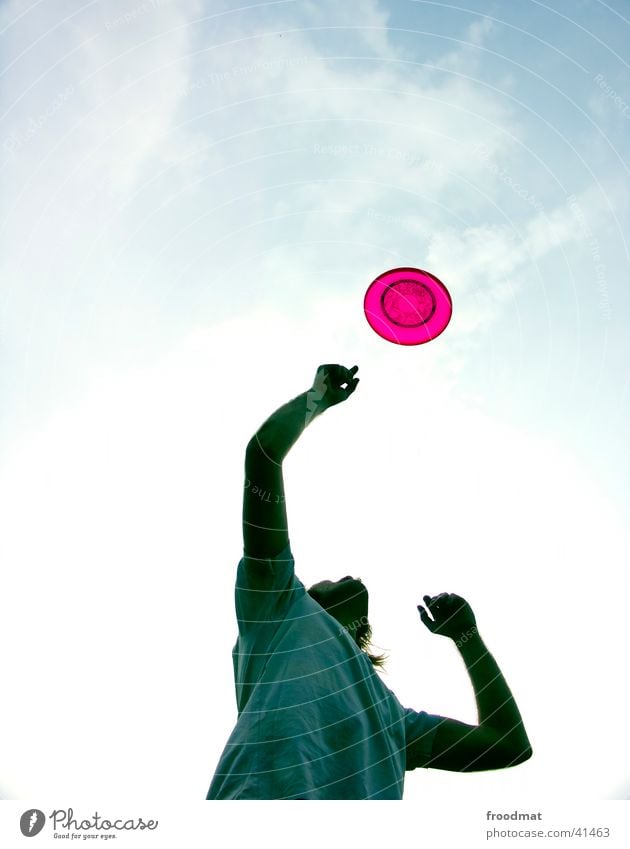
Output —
(333, 383)
(452, 615)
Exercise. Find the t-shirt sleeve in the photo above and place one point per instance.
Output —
(265, 588)
(420, 728)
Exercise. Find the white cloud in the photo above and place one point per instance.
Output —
(368, 28)
(466, 58)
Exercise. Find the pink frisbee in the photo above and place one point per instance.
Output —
(407, 306)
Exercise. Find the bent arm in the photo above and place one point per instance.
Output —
(265, 531)
(496, 706)
(499, 740)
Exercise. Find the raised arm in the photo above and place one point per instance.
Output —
(499, 739)
(265, 530)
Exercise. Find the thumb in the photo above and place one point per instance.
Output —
(426, 619)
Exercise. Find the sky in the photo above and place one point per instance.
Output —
(195, 199)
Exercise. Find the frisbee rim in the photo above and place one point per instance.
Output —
(385, 320)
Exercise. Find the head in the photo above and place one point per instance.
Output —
(347, 600)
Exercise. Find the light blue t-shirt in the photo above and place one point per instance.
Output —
(315, 720)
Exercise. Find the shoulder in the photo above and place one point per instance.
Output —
(265, 569)
(420, 730)
(268, 580)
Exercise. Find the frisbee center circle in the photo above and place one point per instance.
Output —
(408, 303)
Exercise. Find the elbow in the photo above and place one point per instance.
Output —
(513, 751)
(521, 754)
(256, 448)
(254, 442)
(262, 447)
(262, 440)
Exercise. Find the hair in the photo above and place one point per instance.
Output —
(363, 638)
(361, 631)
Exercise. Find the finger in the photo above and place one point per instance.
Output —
(427, 601)
(436, 607)
(430, 624)
(341, 376)
(352, 386)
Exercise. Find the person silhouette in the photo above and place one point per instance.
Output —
(315, 720)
